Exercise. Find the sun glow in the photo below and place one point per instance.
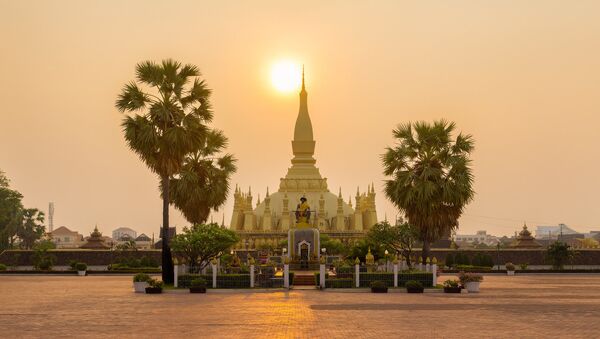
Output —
(286, 76)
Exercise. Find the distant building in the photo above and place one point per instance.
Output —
(553, 232)
(143, 242)
(63, 237)
(95, 241)
(525, 240)
(481, 237)
(120, 232)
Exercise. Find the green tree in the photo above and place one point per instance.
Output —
(431, 179)
(41, 258)
(558, 254)
(11, 215)
(333, 246)
(31, 229)
(169, 107)
(201, 243)
(400, 238)
(203, 182)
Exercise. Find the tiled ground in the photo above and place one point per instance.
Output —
(102, 306)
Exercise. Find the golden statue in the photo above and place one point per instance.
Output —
(303, 213)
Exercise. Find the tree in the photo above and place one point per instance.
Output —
(170, 126)
(31, 229)
(333, 246)
(431, 179)
(203, 182)
(399, 238)
(10, 212)
(201, 243)
(558, 254)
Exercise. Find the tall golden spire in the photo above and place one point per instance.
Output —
(303, 144)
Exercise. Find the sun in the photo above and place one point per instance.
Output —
(286, 76)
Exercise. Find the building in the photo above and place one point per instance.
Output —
(481, 237)
(95, 241)
(120, 232)
(63, 237)
(553, 232)
(267, 223)
(143, 242)
(525, 240)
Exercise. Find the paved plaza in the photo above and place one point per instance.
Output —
(526, 306)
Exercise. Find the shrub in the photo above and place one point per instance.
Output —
(2, 267)
(141, 277)
(449, 260)
(199, 282)
(378, 284)
(339, 283)
(472, 268)
(469, 277)
(81, 266)
(413, 284)
(509, 266)
(148, 262)
(73, 265)
(451, 283)
(155, 283)
(524, 266)
(558, 254)
(45, 264)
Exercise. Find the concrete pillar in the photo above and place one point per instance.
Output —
(286, 276)
(322, 276)
(357, 274)
(395, 275)
(420, 266)
(428, 267)
(214, 273)
(251, 276)
(434, 273)
(175, 275)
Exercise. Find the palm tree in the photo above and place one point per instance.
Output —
(169, 108)
(203, 182)
(431, 179)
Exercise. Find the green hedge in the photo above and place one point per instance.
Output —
(424, 278)
(339, 283)
(386, 277)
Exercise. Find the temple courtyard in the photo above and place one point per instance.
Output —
(525, 306)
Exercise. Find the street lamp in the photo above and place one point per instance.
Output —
(498, 254)
(387, 264)
(284, 250)
(324, 251)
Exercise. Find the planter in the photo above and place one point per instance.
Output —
(81, 273)
(379, 289)
(197, 289)
(472, 286)
(414, 290)
(510, 272)
(153, 290)
(452, 289)
(140, 286)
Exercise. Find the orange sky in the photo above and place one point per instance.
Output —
(522, 77)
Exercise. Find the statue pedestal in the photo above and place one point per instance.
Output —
(304, 244)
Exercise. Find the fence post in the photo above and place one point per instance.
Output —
(175, 275)
(434, 273)
(395, 274)
(322, 276)
(357, 272)
(286, 276)
(251, 276)
(214, 273)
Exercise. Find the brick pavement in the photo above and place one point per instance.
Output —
(526, 306)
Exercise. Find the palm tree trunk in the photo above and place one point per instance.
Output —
(167, 260)
(426, 250)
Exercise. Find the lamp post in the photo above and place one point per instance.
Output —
(284, 251)
(498, 254)
(387, 264)
(324, 253)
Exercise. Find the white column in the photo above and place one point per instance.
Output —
(428, 267)
(214, 272)
(175, 275)
(395, 274)
(286, 276)
(322, 276)
(251, 276)
(420, 266)
(357, 274)
(434, 272)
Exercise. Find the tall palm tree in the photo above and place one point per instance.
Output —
(431, 179)
(169, 108)
(203, 182)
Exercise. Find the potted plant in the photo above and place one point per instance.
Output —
(523, 266)
(81, 268)
(378, 287)
(451, 286)
(140, 282)
(470, 281)
(413, 286)
(198, 286)
(154, 286)
(510, 268)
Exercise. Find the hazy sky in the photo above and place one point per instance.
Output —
(521, 76)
